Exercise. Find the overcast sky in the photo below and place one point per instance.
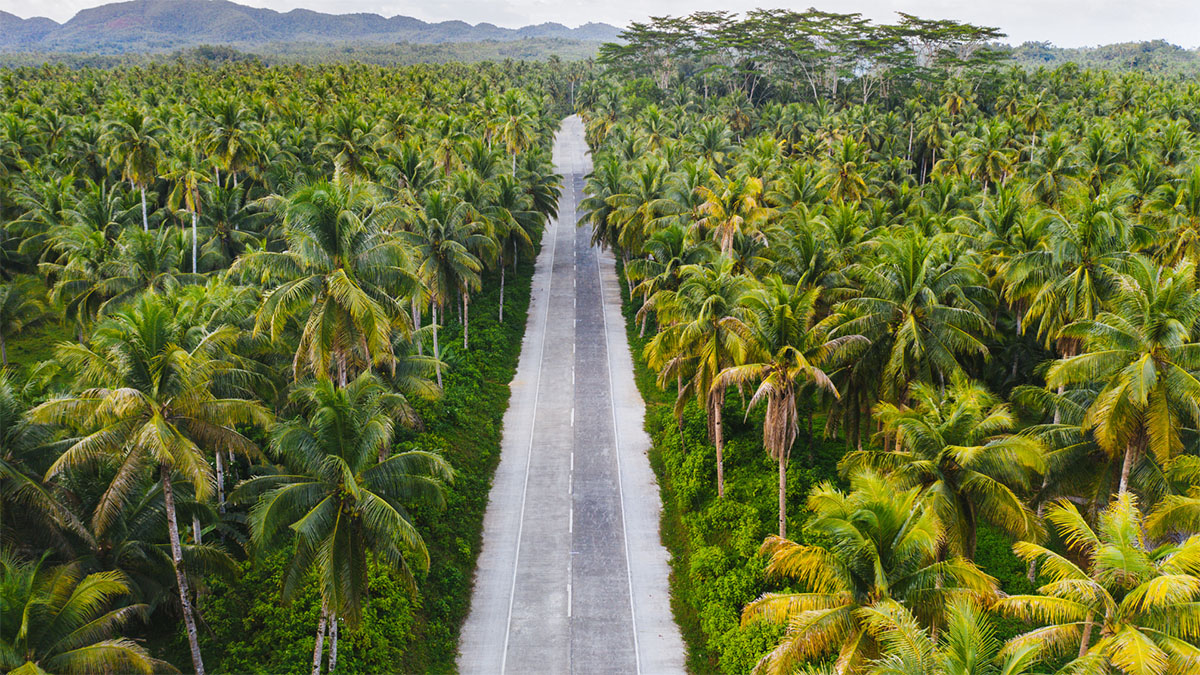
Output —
(1066, 23)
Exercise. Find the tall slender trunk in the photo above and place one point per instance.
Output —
(719, 438)
(3, 350)
(514, 164)
(189, 621)
(333, 643)
(1131, 451)
(197, 537)
(416, 321)
(466, 305)
(220, 462)
(1087, 635)
(783, 462)
(437, 353)
(502, 268)
(194, 219)
(319, 649)
(145, 220)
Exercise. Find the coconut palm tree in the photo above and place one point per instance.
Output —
(341, 498)
(957, 445)
(32, 512)
(695, 343)
(968, 646)
(144, 402)
(1138, 600)
(1143, 355)
(731, 206)
(882, 549)
(780, 347)
(135, 139)
(57, 620)
(342, 274)
(922, 311)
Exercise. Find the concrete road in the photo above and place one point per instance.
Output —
(572, 577)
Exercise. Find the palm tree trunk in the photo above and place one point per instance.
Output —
(220, 462)
(1087, 635)
(333, 643)
(189, 621)
(514, 165)
(1126, 465)
(719, 437)
(196, 534)
(3, 350)
(145, 220)
(502, 267)
(319, 649)
(783, 460)
(416, 321)
(466, 307)
(194, 268)
(437, 353)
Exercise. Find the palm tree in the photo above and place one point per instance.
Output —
(780, 348)
(882, 549)
(514, 223)
(921, 310)
(186, 174)
(31, 510)
(1141, 598)
(342, 270)
(134, 138)
(231, 138)
(695, 343)
(731, 206)
(956, 445)
(20, 309)
(341, 497)
(1071, 278)
(1143, 355)
(144, 401)
(59, 621)
(442, 240)
(968, 646)
(516, 125)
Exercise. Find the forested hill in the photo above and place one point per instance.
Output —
(155, 25)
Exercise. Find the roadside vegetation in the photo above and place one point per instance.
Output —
(920, 336)
(259, 327)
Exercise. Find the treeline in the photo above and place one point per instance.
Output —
(976, 314)
(791, 55)
(249, 407)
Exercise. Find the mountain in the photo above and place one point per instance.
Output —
(157, 25)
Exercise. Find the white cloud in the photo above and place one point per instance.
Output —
(1063, 22)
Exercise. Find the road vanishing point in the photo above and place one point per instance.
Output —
(572, 576)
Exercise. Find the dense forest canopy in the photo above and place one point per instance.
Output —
(918, 328)
(256, 344)
(921, 334)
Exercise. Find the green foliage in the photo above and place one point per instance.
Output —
(254, 631)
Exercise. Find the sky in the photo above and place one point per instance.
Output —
(1067, 23)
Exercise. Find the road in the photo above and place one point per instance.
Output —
(572, 576)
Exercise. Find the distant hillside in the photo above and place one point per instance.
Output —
(1151, 56)
(159, 25)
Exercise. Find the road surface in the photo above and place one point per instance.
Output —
(572, 577)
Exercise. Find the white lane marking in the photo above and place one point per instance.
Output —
(572, 417)
(537, 392)
(571, 520)
(637, 657)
